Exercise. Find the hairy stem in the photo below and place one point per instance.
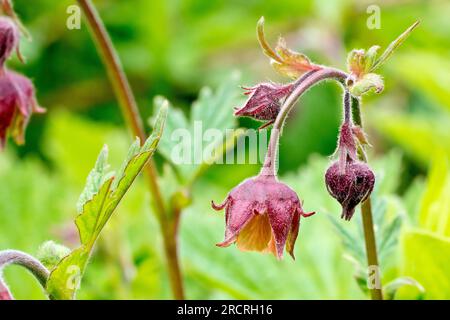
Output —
(303, 84)
(33, 265)
(347, 107)
(171, 249)
(130, 112)
(269, 168)
(367, 219)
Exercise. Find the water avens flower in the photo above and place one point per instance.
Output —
(264, 101)
(349, 180)
(17, 104)
(262, 214)
(350, 187)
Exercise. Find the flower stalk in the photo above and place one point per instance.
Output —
(269, 168)
(14, 257)
(304, 83)
(367, 217)
(168, 222)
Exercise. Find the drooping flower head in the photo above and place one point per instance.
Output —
(9, 39)
(17, 104)
(264, 101)
(262, 214)
(349, 180)
(351, 187)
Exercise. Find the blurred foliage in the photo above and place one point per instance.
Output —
(427, 247)
(174, 48)
(188, 143)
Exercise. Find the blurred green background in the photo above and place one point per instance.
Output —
(176, 47)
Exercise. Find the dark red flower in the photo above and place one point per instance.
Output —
(351, 186)
(264, 101)
(9, 39)
(17, 104)
(262, 214)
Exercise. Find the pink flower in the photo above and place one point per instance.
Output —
(264, 101)
(9, 39)
(17, 104)
(263, 215)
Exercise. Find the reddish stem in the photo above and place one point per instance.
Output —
(131, 114)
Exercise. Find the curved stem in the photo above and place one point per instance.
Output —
(130, 112)
(367, 219)
(8, 257)
(302, 85)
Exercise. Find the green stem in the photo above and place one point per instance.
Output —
(367, 217)
(356, 112)
(130, 112)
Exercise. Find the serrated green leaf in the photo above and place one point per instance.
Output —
(351, 243)
(390, 236)
(87, 220)
(132, 152)
(388, 213)
(65, 278)
(394, 45)
(211, 112)
(158, 128)
(379, 208)
(94, 179)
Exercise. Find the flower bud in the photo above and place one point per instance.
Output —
(9, 39)
(264, 101)
(351, 186)
(263, 215)
(50, 254)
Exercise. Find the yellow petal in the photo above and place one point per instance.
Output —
(256, 234)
